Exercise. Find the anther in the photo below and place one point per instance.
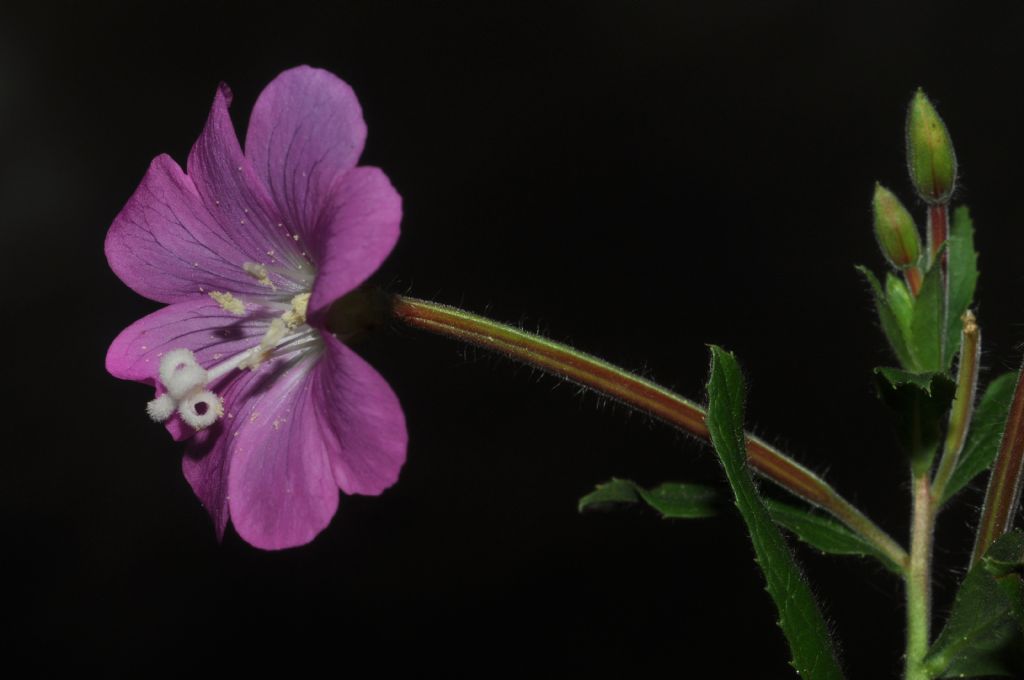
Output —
(229, 303)
(274, 334)
(296, 316)
(259, 272)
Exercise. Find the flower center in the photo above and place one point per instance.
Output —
(186, 383)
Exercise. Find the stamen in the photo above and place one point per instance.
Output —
(229, 303)
(296, 316)
(292, 347)
(276, 332)
(259, 272)
(186, 381)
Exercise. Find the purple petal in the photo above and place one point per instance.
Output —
(280, 487)
(237, 198)
(358, 406)
(207, 459)
(200, 325)
(363, 227)
(306, 130)
(167, 246)
(205, 465)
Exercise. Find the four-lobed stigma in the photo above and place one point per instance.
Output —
(186, 383)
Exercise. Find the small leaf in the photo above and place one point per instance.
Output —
(611, 493)
(985, 434)
(983, 635)
(891, 326)
(825, 534)
(963, 277)
(672, 500)
(681, 501)
(927, 328)
(919, 402)
(799, 617)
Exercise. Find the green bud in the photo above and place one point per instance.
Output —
(895, 229)
(930, 156)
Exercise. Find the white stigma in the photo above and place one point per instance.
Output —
(161, 408)
(185, 381)
(201, 409)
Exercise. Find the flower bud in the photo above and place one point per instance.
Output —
(930, 156)
(895, 229)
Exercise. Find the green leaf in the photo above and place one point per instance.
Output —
(799, 617)
(1005, 561)
(927, 326)
(824, 533)
(919, 402)
(901, 302)
(897, 378)
(963, 277)
(891, 325)
(985, 434)
(1006, 555)
(673, 500)
(983, 635)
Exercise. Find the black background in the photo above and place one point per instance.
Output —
(636, 178)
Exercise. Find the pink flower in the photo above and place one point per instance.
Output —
(249, 251)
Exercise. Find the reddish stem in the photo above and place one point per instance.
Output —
(913, 276)
(641, 394)
(938, 225)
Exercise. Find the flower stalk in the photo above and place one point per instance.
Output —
(641, 394)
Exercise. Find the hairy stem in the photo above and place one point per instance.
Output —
(640, 394)
(963, 404)
(1004, 483)
(918, 580)
(938, 230)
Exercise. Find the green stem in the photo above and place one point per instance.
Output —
(1004, 483)
(963, 404)
(641, 394)
(918, 580)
